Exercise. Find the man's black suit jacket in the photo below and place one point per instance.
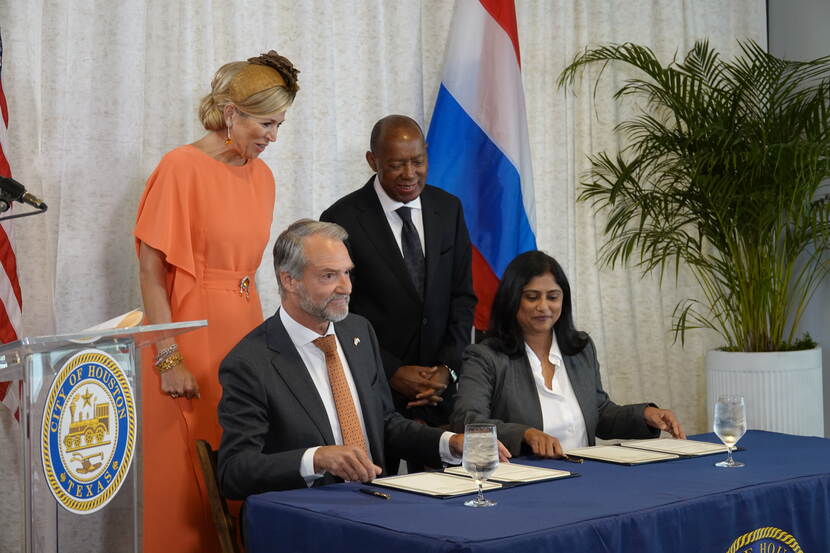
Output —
(271, 412)
(411, 331)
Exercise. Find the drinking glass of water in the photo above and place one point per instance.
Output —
(730, 426)
(480, 458)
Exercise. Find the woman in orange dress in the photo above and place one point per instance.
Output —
(203, 223)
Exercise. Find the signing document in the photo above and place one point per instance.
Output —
(437, 484)
(635, 452)
(691, 448)
(516, 473)
(622, 455)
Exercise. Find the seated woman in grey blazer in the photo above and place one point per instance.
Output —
(537, 378)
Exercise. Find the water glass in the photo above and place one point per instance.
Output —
(480, 458)
(730, 426)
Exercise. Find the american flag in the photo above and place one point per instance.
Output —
(11, 301)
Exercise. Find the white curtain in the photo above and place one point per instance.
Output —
(99, 90)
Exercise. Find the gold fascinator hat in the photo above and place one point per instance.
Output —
(264, 72)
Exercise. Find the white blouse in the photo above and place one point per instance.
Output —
(561, 415)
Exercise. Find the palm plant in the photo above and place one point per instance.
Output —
(721, 171)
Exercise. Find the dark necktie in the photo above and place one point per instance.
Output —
(413, 254)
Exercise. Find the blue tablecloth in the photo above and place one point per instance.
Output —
(687, 505)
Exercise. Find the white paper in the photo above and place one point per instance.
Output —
(617, 454)
(433, 483)
(125, 320)
(516, 472)
(679, 447)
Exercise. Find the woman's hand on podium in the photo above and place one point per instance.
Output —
(179, 382)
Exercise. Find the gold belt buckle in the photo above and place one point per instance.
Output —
(245, 287)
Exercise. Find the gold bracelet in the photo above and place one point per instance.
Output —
(165, 353)
(169, 362)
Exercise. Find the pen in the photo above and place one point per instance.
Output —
(570, 459)
(375, 493)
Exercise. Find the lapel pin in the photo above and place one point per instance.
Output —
(356, 341)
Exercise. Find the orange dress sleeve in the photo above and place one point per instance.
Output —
(164, 222)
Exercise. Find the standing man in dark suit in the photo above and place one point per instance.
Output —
(413, 276)
(305, 400)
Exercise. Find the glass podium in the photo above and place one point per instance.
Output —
(72, 462)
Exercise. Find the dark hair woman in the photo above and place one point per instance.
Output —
(537, 378)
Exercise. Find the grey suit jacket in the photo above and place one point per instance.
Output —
(271, 412)
(500, 389)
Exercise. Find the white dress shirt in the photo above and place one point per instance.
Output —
(561, 414)
(315, 362)
(395, 222)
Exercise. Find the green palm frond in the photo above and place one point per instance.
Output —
(719, 172)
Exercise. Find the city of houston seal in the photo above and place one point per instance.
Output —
(89, 431)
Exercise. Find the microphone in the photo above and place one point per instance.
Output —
(13, 191)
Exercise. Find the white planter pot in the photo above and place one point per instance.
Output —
(782, 390)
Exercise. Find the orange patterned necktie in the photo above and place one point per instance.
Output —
(346, 412)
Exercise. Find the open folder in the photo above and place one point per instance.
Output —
(516, 473)
(686, 448)
(456, 481)
(435, 484)
(637, 452)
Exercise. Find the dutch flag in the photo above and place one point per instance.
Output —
(478, 143)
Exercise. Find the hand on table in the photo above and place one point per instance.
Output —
(543, 445)
(457, 448)
(665, 420)
(504, 453)
(179, 382)
(347, 462)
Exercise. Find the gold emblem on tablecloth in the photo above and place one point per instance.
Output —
(765, 540)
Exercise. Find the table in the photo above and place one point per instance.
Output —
(686, 505)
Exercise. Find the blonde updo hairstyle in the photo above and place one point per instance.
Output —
(263, 103)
